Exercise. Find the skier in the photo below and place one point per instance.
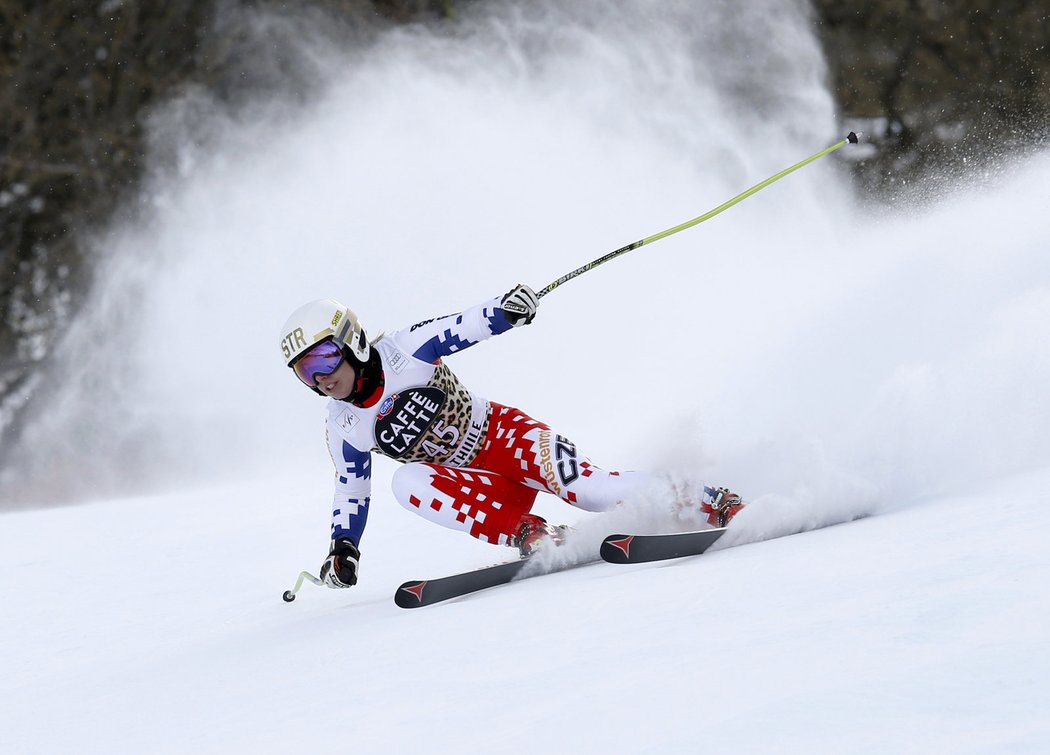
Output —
(469, 464)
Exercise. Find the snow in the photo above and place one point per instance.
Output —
(873, 382)
(919, 630)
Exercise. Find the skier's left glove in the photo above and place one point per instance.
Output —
(340, 568)
(519, 305)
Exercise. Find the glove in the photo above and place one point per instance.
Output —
(340, 568)
(519, 305)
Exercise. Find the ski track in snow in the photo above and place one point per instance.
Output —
(917, 630)
(873, 382)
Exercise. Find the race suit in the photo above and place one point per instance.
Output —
(470, 464)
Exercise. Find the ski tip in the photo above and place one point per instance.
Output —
(410, 594)
(616, 549)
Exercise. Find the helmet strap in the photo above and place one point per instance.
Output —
(368, 388)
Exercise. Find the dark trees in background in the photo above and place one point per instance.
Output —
(946, 85)
(79, 78)
(939, 85)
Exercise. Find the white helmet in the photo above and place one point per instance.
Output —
(318, 320)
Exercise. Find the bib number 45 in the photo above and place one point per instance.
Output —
(448, 435)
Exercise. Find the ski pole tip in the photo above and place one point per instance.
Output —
(851, 137)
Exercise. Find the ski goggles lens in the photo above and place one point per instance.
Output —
(323, 359)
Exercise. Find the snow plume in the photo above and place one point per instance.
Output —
(924, 367)
(794, 349)
(670, 505)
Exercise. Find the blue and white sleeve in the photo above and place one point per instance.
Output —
(431, 340)
(353, 488)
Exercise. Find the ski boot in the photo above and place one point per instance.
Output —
(721, 507)
(533, 533)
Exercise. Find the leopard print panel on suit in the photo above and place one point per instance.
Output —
(438, 423)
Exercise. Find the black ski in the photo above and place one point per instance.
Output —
(637, 549)
(616, 549)
(426, 592)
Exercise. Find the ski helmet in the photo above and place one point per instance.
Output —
(324, 319)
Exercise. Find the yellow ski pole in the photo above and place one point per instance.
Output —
(851, 138)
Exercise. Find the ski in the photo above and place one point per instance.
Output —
(616, 549)
(427, 592)
(638, 549)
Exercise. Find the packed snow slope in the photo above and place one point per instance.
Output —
(156, 625)
(874, 382)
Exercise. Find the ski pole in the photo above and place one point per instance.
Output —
(289, 595)
(851, 138)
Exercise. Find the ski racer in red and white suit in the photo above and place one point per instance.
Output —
(469, 463)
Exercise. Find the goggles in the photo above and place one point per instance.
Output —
(323, 359)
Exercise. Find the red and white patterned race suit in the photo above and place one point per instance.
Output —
(519, 457)
(470, 464)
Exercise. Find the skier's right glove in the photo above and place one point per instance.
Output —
(340, 568)
(519, 305)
